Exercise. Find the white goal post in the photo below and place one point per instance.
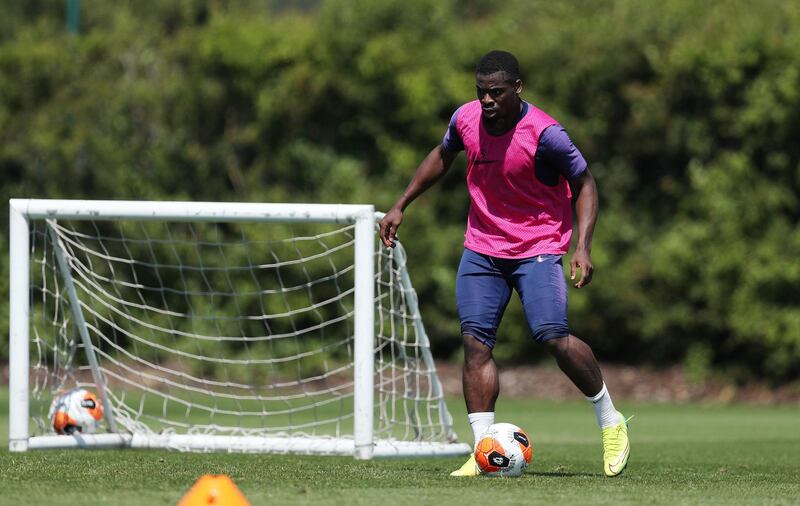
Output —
(203, 326)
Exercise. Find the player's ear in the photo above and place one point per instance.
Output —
(518, 86)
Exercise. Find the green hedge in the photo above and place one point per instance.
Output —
(688, 113)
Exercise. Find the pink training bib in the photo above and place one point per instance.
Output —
(512, 214)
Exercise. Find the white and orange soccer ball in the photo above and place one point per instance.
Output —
(503, 450)
(75, 410)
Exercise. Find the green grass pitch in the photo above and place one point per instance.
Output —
(685, 454)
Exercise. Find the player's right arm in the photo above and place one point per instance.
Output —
(432, 168)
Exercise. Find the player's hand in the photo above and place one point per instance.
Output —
(389, 225)
(581, 260)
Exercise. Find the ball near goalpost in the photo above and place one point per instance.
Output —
(76, 410)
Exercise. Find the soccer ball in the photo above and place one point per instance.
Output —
(76, 410)
(503, 450)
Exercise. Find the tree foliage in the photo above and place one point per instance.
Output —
(687, 112)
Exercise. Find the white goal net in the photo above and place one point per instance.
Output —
(227, 327)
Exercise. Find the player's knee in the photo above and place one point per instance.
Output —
(476, 350)
(472, 334)
(555, 336)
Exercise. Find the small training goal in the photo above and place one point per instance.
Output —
(238, 327)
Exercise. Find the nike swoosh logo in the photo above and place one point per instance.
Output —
(613, 467)
(481, 162)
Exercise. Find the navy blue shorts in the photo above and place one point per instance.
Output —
(483, 289)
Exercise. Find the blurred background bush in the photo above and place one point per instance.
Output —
(688, 113)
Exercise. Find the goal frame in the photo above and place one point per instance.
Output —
(362, 445)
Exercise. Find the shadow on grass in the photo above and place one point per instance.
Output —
(562, 474)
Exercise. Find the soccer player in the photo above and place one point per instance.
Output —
(523, 173)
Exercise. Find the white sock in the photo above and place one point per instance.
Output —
(607, 415)
(479, 423)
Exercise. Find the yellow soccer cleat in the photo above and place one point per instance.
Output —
(470, 468)
(616, 448)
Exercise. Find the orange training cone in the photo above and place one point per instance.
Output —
(216, 490)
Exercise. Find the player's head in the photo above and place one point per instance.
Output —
(498, 84)
(499, 61)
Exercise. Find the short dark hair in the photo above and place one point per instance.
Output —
(499, 61)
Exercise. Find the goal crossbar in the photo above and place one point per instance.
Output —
(110, 210)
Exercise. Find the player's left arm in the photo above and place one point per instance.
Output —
(557, 151)
(584, 193)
